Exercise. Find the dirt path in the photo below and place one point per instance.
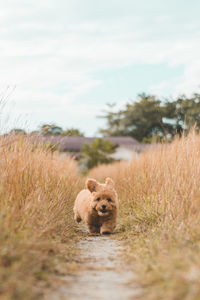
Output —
(102, 275)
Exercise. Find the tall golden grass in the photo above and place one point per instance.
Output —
(159, 220)
(37, 189)
(159, 195)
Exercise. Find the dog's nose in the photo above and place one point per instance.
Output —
(103, 206)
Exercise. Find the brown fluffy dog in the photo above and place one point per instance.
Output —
(97, 206)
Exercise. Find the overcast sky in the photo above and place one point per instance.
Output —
(63, 60)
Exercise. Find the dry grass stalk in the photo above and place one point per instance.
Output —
(160, 216)
(37, 189)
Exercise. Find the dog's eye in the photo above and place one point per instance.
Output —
(109, 199)
(98, 199)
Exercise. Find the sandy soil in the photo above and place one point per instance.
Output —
(102, 275)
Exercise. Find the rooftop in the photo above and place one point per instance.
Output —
(74, 143)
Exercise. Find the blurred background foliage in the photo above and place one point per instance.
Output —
(96, 153)
(149, 119)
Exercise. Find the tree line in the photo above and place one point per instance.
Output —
(149, 119)
(50, 129)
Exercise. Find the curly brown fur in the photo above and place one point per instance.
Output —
(97, 206)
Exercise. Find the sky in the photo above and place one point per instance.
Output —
(62, 61)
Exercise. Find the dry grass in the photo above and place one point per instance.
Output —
(160, 217)
(37, 189)
(159, 223)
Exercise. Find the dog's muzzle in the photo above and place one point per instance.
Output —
(103, 209)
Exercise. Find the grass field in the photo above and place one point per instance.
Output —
(37, 190)
(159, 220)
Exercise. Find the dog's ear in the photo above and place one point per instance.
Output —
(92, 185)
(109, 182)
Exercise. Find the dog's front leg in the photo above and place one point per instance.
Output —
(93, 228)
(107, 227)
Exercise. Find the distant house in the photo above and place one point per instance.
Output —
(126, 147)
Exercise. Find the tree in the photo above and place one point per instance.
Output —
(183, 113)
(50, 129)
(72, 132)
(18, 131)
(150, 119)
(97, 153)
(115, 126)
(140, 119)
(144, 118)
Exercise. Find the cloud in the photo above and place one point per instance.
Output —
(51, 51)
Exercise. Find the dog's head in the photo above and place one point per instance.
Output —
(103, 196)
